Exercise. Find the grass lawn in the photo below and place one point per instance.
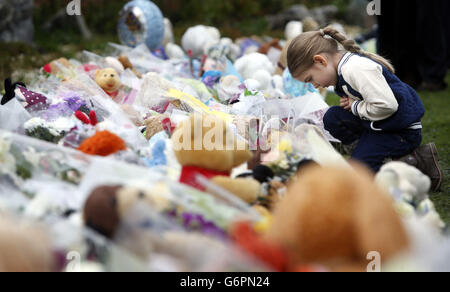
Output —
(436, 129)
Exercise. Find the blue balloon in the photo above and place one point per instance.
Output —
(141, 22)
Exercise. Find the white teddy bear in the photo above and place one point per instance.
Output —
(293, 29)
(199, 38)
(409, 188)
(257, 67)
(168, 32)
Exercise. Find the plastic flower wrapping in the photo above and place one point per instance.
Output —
(97, 167)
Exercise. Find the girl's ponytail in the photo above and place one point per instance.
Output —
(351, 46)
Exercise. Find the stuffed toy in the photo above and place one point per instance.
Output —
(24, 248)
(410, 188)
(264, 49)
(413, 184)
(199, 38)
(174, 51)
(334, 217)
(108, 79)
(10, 91)
(126, 63)
(168, 32)
(55, 66)
(255, 66)
(101, 210)
(103, 143)
(293, 29)
(215, 165)
(86, 119)
(107, 205)
(35, 101)
(115, 64)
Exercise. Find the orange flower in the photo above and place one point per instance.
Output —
(102, 143)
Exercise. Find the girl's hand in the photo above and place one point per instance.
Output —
(347, 103)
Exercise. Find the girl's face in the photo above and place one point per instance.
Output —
(322, 74)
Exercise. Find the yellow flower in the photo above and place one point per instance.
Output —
(285, 146)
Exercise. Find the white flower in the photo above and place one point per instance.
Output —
(284, 164)
(7, 161)
(32, 156)
(55, 128)
(34, 123)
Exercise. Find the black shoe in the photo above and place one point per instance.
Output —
(426, 159)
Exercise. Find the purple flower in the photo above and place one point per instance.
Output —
(70, 104)
(73, 101)
(197, 222)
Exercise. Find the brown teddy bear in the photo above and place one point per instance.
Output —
(334, 217)
(214, 162)
(264, 49)
(107, 205)
(108, 79)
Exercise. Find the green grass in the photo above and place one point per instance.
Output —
(436, 129)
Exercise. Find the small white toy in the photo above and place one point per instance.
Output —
(168, 32)
(410, 188)
(293, 29)
(199, 38)
(256, 66)
(174, 51)
(115, 64)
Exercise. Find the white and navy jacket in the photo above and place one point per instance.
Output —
(382, 99)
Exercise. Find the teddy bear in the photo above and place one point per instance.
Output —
(108, 79)
(124, 215)
(255, 66)
(24, 248)
(102, 208)
(55, 66)
(215, 162)
(409, 187)
(265, 48)
(334, 217)
(293, 29)
(199, 38)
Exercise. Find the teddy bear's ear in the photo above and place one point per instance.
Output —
(98, 73)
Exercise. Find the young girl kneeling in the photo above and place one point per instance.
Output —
(378, 112)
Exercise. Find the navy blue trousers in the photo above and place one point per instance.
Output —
(373, 146)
